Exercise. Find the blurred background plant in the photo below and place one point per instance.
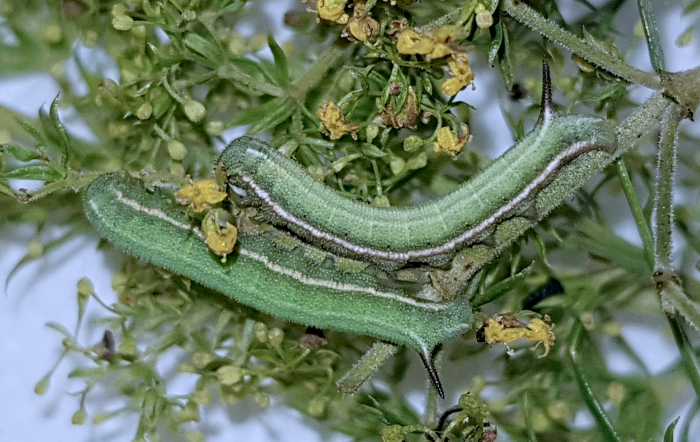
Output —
(366, 95)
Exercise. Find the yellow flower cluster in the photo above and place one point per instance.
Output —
(507, 329)
(333, 121)
(201, 195)
(333, 10)
(449, 142)
(462, 73)
(361, 26)
(220, 240)
(431, 45)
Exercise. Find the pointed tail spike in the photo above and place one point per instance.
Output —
(427, 357)
(546, 107)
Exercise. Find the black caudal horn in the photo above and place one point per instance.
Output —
(427, 357)
(546, 107)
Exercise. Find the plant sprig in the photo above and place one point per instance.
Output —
(365, 97)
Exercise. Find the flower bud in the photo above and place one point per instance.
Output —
(177, 150)
(122, 23)
(194, 110)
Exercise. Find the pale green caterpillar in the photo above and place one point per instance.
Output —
(271, 278)
(433, 233)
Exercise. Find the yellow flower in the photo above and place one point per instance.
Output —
(462, 75)
(362, 27)
(219, 240)
(333, 10)
(507, 329)
(449, 142)
(431, 45)
(332, 119)
(201, 195)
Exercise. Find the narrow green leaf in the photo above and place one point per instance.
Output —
(281, 62)
(651, 31)
(668, 435)
(499, 50)
(501, 288)
(266, 116)
(7, 191)
(34, 133)
(505, 60)
(248, 76)
(18, 152)
(496, 41)
(257, 113)
(34, 172)
(63, 140)
(204, 47)
(599, 240)
(371, 150)
(607, 91)
(61, 329)
(87, 373)
(281, 114)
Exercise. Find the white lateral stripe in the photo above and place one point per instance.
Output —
(295, 274)
(553, 167)
(157, 213)
(307, 280)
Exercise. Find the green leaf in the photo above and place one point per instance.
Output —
(371, 150)
(496, 41)
(281, 62)
(18, 152)
(668, 435)
(87, 373)
(501, 288)
(598, 239)
(61, 329)
(499, 49)
(266, 116)
(204, 47)
(607, 91)
(34, 133)
(249, 77)
(63, 140)
(34, 172)
(7, 191)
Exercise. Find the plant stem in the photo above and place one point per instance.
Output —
(663, 202)
(637, 213)
(584, 386)
(648, 116)
(673, 297)
(595, 55)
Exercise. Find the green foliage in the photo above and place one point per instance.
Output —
(186, 75)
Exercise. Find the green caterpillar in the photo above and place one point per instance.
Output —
(433, 233)
(270, 278)
(478, 220)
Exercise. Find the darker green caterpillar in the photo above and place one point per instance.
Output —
(433, 233)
